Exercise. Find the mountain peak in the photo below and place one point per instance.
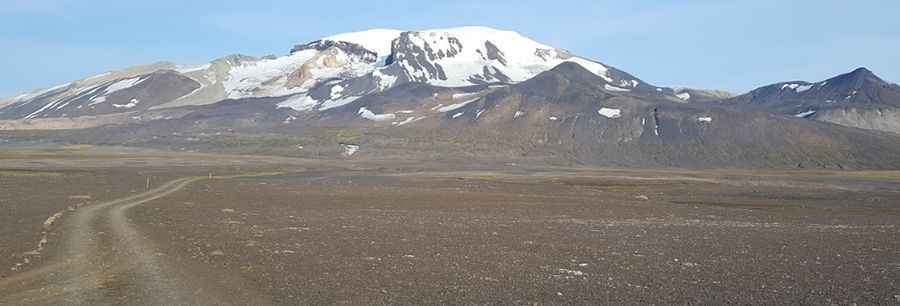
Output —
(862, 70)
(574, 71)
(379, 40)
(857, 77)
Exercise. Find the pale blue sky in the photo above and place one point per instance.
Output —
(732, 45)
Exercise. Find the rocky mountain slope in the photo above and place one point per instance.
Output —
(858, 99)
(317, 76)
(464, 94)
(566, 115)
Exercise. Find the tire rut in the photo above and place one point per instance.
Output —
(106, 260)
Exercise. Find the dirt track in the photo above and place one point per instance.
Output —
(106, 260)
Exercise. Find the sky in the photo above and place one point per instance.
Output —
(732, 45)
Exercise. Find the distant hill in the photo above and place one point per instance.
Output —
(858, 99)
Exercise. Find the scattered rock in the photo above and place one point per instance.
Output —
(228, 210)
(571, 272)
(642, 198)
(217, 253)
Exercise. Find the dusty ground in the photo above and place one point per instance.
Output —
(363, 233)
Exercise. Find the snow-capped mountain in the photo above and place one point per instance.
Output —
(319, 75)
(858, 98)
(463, 94)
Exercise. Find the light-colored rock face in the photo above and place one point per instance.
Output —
(692, 95)
(881, 119)
(65, 123)
(330, 63)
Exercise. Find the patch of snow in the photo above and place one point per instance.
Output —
(553, 118)
(464, 95)
(123, 84)
(249, 77)
(805, 114)
(518, 114)
(705, 119)
(611, 113)
(367, 114)
(616, 89)
(336, 91)
(38, 93)
(799, 88)
(350, 149)
(407, 121)
(684, 96)
(405, 112)
(478, 114)
(299, 103)
(62, 106)
(457, 115)
(453, 107)
(97, 100)
(790, 86)
(594, 67)
(385, 81)
(131, 104)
